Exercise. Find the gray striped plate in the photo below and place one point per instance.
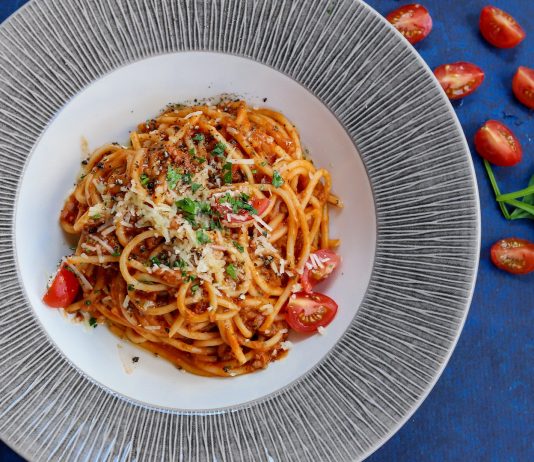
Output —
(400, 156)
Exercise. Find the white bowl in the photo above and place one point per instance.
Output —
(105, 112)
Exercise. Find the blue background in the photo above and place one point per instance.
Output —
(482, 408)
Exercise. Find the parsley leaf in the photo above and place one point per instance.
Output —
(215, 224)
(92, 322)
(186, 178)
(155, 260)
(227, 173)
(179, 263)
(192, 151)
(188, 206)
(202, 237)
(277, 179)
(218, 150)
(195, 187)
(195, 288)
(173, 176)
(198, 137)
(238, 246)
(239, 203)
(231, 271)
(144, 178)
(131, 287)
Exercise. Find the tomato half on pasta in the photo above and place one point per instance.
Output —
(202, 240)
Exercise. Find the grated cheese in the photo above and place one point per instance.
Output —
(152, 327)
(83, 280)
(241, 161)
(287, 345)
(263, 223)
(126, 301)
(108, 230)
(103, 243)
(321, 330)
(99, 253)
(193, 114)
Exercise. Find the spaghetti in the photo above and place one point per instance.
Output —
(193, 241)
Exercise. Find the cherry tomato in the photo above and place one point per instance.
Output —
(459, 79)
(314, 273)
(305, 312)
(63, 289)
(523, 86)
(242, 216)
(497, 144)
(513, 255)
(499, 28)
(413, 21)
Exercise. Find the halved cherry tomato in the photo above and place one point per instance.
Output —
(496, 143)
(513, 255)
(413, 21)
(63, 289)
(499, 28)
(242, 216)
(459, 79)
(314, 273)
(305, 312)
(523, 86)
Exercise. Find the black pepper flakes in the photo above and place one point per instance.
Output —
(135, 359)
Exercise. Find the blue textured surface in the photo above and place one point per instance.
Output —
(482, 408)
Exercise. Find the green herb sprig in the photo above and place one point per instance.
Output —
(521, 208)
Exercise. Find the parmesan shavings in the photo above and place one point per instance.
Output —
(126, 301)
(108, 230)
(287, 345)
(103, 243)
(241, 161)
(99, 253)
(263, 223)
(83, 280)
(321, 330)
(193, 114)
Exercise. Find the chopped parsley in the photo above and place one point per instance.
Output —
(239, 203)
(202, 237)
(87, 302)
(179, 263)
(116, 252)
(195, 288)
(144, 178)
(263, 163)
(227, 173)
(218, 150)
(96, 216)
(173, 177)
(186, 178)
(192, 151)
(231, 271)
(195, 187)
(215, 224)
(189, 206)
(238, 246)
(198, 137)
(92, 322)
(155, 260)
(131, 287)
(277, 179)
(192, 208)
